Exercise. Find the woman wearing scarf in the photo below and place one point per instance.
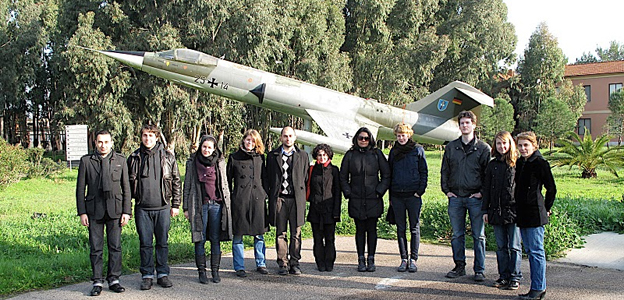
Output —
(246, 179)
(365, 178)
(409, 181)
(207, 205)
(325, 205)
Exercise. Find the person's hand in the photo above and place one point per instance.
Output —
(186, 215)
(485, 219)
(84, 220)
(124, 219)
(174, 212)
(416, 195)
(476, 195)
(451, 195)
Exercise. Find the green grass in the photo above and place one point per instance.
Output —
(43, 245)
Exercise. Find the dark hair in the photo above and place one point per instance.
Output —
(151, 129)
(102, 132)
(467, 114)
(325, 148)
(371, 141)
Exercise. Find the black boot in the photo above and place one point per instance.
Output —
(371, 264)
(200, 262)
(215, 261)
(361, 264)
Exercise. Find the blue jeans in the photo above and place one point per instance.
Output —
(238, 250)
(508, 253)
(457, 212)
(150, 224)
(412, 206)
(533, 240)
(211, 217)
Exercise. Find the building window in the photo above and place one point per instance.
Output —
(584, 124)
(614, 88)
(587, 92)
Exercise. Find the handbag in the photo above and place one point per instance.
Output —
(390, 215)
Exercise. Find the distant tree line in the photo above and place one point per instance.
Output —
(396, 51)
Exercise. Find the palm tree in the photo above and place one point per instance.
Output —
(588, 154)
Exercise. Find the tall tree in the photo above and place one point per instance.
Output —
(615, 121)
(541, 69)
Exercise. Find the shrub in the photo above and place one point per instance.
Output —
(13, 165)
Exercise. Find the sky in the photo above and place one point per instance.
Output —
(579, 26)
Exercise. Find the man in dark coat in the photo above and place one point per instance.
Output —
(155, 185)
(107, 204)
(287, 172)
(462, 174)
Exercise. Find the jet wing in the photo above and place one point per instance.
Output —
(342, 127)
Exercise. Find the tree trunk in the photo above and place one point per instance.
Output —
(589, 173)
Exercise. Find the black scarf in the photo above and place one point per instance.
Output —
(402, 150)
(207, 161)
(106, 176)
(146, 155)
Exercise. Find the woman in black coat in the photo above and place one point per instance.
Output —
(409, 181)
(207, 205)
(325, 204)
(246, 178)
(533, 209)
(365, 178)
(499, 210)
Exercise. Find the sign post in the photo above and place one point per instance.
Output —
(76, 142)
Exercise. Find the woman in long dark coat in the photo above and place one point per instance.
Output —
(325, 204)
(499, 210)
(245, 172)
(206, 200)
(533, 209)
(365, 178)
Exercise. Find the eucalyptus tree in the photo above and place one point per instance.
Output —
(94, 95)
(480, 38)
(554, 120)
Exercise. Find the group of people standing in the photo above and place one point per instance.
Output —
(504, 191)
(228, 200)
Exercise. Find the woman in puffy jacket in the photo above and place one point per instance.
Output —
(325, 201)
(533, 209)
(499, 210)
(365, 178)
(409, 181)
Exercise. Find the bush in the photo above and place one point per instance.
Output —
(42, 166)
(13, 165)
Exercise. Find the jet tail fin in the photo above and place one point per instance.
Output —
(450, 100)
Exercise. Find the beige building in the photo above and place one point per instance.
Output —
(599, 80)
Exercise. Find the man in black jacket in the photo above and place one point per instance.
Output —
(156, 187)
(103, 175)
(463, 171)
(287, 174)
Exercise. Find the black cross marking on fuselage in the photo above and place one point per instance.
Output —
(212, 83)
(347, 135)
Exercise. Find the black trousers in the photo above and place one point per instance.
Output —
(96, 244)
(324, 244)
(366, 233)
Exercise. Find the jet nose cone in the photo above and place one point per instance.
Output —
(131, 58)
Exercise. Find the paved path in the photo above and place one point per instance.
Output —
(565, 280)
(602, 250)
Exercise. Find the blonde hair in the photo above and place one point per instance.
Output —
(257, 139)
(403, 128)
(529, 136)
(512, 155)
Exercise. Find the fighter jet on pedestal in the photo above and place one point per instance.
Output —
(339, 115)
